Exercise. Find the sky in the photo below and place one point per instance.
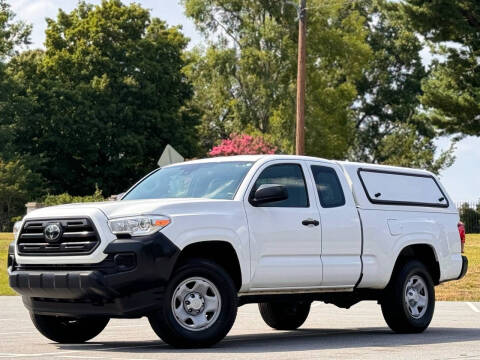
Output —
(462, 179)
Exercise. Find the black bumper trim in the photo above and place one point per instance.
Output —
(130, 306)
(464, 267)
(60, 285)
(11, 255)
(120, 290)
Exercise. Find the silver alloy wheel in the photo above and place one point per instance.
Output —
(196, 303)
(416, 296)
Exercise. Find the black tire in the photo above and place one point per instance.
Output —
(170, 330)
(396, 309)
(66, 330)
(284, 315)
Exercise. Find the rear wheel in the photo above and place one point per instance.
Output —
(284, 315)
(409, 300)
(68, 330)
(199, 306)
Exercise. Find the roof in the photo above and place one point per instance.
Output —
(356, 165)
(265, 157)
(255, 158)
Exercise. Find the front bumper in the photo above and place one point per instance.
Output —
(129, 282)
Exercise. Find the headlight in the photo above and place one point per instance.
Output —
(138, 225)
(16, 229)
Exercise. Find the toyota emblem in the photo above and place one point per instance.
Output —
(52, 232)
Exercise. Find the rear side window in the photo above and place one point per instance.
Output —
(396, 188)
(328, 186)
(290, 176)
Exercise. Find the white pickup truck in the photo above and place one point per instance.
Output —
(191, 242)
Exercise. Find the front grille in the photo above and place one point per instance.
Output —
(77, 237)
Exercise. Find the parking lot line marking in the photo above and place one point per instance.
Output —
(97, 357)
(81, 357)
(473, 307)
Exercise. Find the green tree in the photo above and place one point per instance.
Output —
(13, 34)
(404, 146)
(245, 80)
(103, 100)
(452, 91)
(18, 184)
(389, 127)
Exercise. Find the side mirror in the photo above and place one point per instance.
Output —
(268, 193)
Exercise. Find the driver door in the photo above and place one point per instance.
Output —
(285, 236)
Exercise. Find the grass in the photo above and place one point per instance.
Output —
(467, 289)
(5, 239)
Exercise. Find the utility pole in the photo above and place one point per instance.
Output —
(302, 54)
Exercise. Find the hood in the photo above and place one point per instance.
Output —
(114, 209)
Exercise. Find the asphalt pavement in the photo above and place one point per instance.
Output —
(329, 333)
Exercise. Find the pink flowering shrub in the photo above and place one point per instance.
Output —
(243, 144)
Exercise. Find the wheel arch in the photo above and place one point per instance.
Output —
(425, 253)
(219, 251)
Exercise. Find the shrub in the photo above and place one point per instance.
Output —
(470, 218)
(243, 144)
(65, 198)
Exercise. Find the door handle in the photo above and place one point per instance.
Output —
(307, 222)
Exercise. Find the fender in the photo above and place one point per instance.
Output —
(378, 269)
(400, 246)
(237, 239)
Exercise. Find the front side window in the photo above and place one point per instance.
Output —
(211, 180)
(290, 176)
(328, 186)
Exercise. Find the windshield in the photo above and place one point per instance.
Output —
(211, 180)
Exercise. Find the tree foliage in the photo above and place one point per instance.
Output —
(364, 76)
(13, 33)
(390, 129)
(404, 146)
(101, 102)
(17, 185)
(245, 80)
(470, 216)
(113, 86)
(452, 91)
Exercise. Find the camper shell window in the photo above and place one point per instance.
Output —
(399, 188)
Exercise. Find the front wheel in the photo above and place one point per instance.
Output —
(66, 330)
(286, 315)
(409, 300)
(199, 306)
